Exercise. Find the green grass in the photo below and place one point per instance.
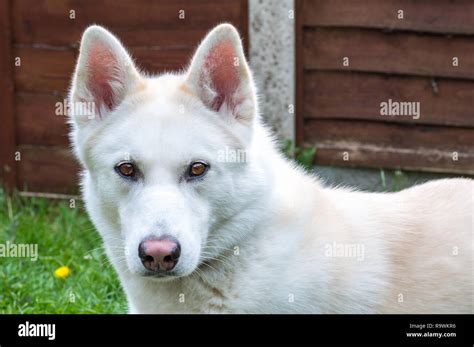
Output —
(304, 156)
(65, 237)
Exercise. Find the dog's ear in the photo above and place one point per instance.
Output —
(104, 74)
(219, 74)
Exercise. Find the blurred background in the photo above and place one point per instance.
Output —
(323, 68)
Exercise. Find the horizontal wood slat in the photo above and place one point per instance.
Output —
(47, 169)
(47, 70)
(138, 22)
(437, 16)
(399, 53)
(37, 122)
(346, 95)
(376, 144)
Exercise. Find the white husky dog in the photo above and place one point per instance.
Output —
(190, 228)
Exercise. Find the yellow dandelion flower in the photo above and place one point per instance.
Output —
(62, 272)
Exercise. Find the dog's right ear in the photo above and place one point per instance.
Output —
(104, 75)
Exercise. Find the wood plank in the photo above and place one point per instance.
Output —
(156, 61)
(348, 95)
(47, 169)
(37, 122)
(7, 116)
(396, 146)
(243, 26)
(454, 16)
(400, 53)
(137, 23)
(299, 74)
(46, 70)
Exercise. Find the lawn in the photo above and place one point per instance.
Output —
(64, 237)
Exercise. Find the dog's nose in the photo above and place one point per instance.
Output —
(159, 253)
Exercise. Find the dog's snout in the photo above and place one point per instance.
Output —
(159, 253)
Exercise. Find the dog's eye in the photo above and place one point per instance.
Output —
(126, 169)
(197, 169)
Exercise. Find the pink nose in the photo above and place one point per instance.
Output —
(159, 253)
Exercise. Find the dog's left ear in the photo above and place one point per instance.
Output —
(219, 75)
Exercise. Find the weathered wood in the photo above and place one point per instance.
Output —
(37, 121)
(47, 169)
(299, 73)
(137, 23)
(50, 196)
(400, 53)
(348, 95)
(243, 25)
(403, 60)
(46, 70)
(454, 16)
(400, 146)
(7, 120)
(47, 41)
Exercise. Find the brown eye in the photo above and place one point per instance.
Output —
(197, 169)
(126, 169)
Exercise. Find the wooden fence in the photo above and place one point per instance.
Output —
(352, 56)
(38, 49)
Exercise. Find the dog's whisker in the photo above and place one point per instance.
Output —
(225, 261)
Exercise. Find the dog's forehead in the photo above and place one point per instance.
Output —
(160, 128)
(155, 132)
(163, 122)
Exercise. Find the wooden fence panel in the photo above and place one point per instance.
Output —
(362, 94)
(422, 15)
(352, 56)
(161, 35)
(136, 23)
(397, 146)
(47, 169)
(388, 53)
(7, 126)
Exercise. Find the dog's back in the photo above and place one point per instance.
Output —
(418, 244)
(433, 250)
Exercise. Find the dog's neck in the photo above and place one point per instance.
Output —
(255, 217)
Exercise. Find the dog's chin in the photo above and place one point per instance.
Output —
(165, 277)
(160, 278)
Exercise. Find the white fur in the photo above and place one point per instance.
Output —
(255, 235)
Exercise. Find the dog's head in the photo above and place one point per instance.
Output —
(166, 158)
